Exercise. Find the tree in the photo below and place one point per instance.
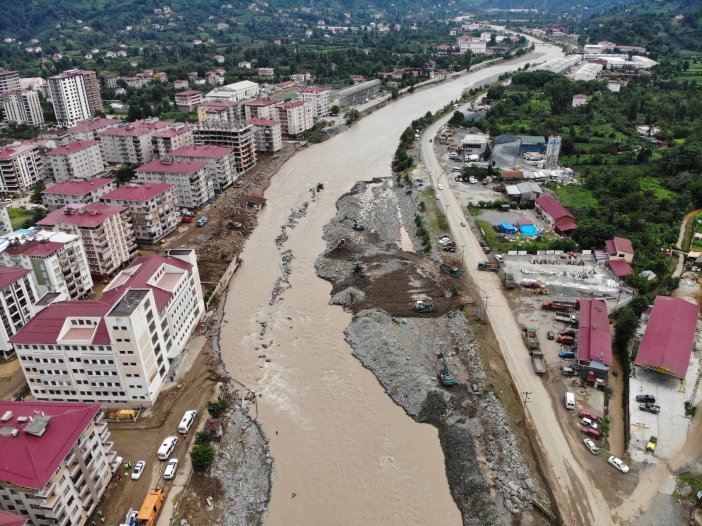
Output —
(625, 328)
(203, 437)
(202, 457)
(334, 110)
(36, 192)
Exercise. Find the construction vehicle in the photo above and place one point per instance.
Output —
(509, 280)
(150, 508)
(357, 267)
(537, 360)
(423, 306)
(561, 304)
(652, 443)
(454, 272)
(445, 376)
(542, 291)
(564, 317)
(530, 338)
(490, 267)
(356, 225)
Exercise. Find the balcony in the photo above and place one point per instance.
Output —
(49, 502)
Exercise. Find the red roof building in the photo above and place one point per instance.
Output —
(595, 337)
(620, 248)
(76, 191)
(10, 519)
(620, 268)
(17, 296)
(140, 193)
(554, 213)
(669, 336)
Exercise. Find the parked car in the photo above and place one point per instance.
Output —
(116, 464)
(584, 413)
(440, 186)
(550, 335)
(567, 371)
(646, 399)
(568, 332)
(589, 431)
(650, 408)
(202, 221)
(590, 445)
(652, 443)
(566, 355)
(171, 468)
(588, 423)
(138, 470)
(619, 464)
(186, 219)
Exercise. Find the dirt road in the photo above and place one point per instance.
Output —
(579, 501)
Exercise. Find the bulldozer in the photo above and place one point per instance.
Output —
(356, 224)
(423, 306)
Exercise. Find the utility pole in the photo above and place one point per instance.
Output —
(526, 397)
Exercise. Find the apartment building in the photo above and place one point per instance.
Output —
(126, 144)
(221, 113)
(188, 100)
(21, 167)
(470, 44)
(88, 130)
(189, 179)
(78, 160)
(23, 107)
(119, 349)
(9, 80)
(76, 191)
(57, 259)
(268, 135)
(221, 163)
(55, 461)
(152, 208)
(69, 96)
(106, 231)
(261, 109)
(17, 297)
(178, 136)
(92, 90)
(239, 138)
(265, 73)
(317, 98)
(295, 117)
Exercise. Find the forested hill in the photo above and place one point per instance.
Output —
(664, 27)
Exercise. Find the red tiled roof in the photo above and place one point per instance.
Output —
(173, 167)
(9, 275)
(620, 267)
(89, 216)
(9, 153)
(553, 207)
(188, 93)
(34, 248)
(126, 131)
(30, 461)
(90, 125)
(172, 132)
(619, 244)
(669, 337)
(73, 147)
(314, 89)
(151, 124)
(595, 337)
(10, 519)
(201, 151)
(261, 102)
(139, 193)
(580, 96)
(46, 326)
(565, 225)
(78, 186)
(512, 174)
(263, 122)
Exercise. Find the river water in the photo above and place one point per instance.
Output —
(344, 452)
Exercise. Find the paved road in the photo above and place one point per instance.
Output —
(579, 501)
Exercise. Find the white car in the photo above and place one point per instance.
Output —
(500, 258)
(171, 468)
(619, 464)
(116, 463)
(590, 445)
(588, 423)
(440, 187)
(138, 470)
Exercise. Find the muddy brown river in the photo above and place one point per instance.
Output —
(344, 452)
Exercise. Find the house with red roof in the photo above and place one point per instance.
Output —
(620, 248)
(76, 191)
(87, 130)
(669, 337)
(56, 460)
(555, 214)
(152, 209)
(77, 160)
(17, 298)
(594, 340)
(122, 346)
(188, 179)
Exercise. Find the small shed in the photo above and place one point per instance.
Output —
(254, 202)
(214, 427)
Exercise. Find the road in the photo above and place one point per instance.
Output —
(577, 497)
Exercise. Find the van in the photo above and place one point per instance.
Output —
(167, 448)
(187, 421)
(569, 401)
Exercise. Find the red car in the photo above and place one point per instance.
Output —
(186, 219)
(594, 433)
(590, 415)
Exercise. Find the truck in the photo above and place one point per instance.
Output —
(150, 508)
(509, 280)
(423, 306)
(488, 266)
(561, 304)
(454, 272)
(565, 317)
(530, 339)
(537, 360)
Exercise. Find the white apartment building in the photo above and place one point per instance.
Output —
(242, 90)
(178, 136)
(266, 73)
(295, 117)
(69, 97)
(20, 168)
(191, 185)
(217, 113)
(237, 137)
(78, 160)
(152, 208)
(58, 261)
(78, 191)
(188, 100)
(55, 460)
(318, 98)
(473, 45)
(221, 163)
(23, 107)
(88, 130)
(261, 109)
(126, 144)
(268, 135)
(17, 297)
(106, 231)
(119, 349)
(9, 80)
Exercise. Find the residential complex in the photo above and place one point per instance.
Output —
(106, 231)
(76, 191)
(88, 130)
(261, 109)
(17, 297)
(239, 138)
(75, 96)
(178, 136)
(116, 350)
(55, 461)
(268, 135)
(317, 98)
(22, 107)
(78, 160)
(126, 144)
(152, 208)
(191, 185)
(295, 117)
(9, 80)
(188, 100)
(221, 163)
(20, 168)
(221, 113)
(58, 260)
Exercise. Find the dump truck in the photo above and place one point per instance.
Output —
(454, 272)
(150, 508)
(561, 304)
(423, 306)
(530, 339)
(509, 280)
(488, 266)
(537, 360)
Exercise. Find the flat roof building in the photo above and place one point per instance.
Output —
(242, 90)
(21, 167)
(594, 339)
